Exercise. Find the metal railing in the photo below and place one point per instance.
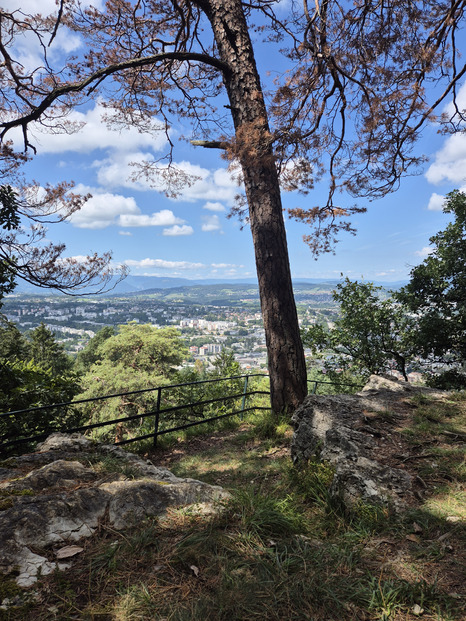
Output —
(316, 382)
(156, 413)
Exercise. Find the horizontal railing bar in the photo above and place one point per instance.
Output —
(132, 417)
(144, 415)
(207, 402)
(181, 427)
(133, 392)
(311, 381)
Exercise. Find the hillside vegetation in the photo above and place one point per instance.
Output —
(281, 548)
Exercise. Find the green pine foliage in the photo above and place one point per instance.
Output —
(34, 372)
(136, 357)
(25, 384)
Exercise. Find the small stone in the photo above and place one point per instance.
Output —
(453, 519)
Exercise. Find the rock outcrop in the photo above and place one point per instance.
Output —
(70, 486)
(344, 431)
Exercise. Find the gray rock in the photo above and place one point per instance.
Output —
(62, 500)
(59, 473)
(334, 429)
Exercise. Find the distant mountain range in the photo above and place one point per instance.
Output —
(132, 285)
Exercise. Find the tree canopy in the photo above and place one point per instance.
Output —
(34, 372)
(91, 352)
(362, 79)
(436, 292)
(371, 335)
(46, 352)
(137, 357)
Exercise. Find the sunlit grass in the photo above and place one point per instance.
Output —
(449, 502)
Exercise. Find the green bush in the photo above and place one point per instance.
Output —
(26, 385)
(452, 379)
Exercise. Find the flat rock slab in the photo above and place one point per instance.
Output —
(64, 491)
(339, 429)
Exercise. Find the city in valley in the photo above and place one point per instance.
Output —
(208, 317)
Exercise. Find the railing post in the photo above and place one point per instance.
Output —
(157, 415)
(245, 390)
(315, 388)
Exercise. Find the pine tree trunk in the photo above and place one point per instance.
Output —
(286, 362)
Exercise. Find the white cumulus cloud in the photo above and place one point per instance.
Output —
(214, 207)
(211, 223)
(436, 202)
(165, 217)
(450, 162)
(424, 252)
(102, 210)
(214, 186)
(205, 185)
(106, 209)
(177, 230)
(92, 133)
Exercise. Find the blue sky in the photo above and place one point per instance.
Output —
(191, 237)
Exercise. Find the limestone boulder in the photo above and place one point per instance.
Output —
(70, 486)
(344, 431)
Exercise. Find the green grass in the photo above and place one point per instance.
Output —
(433, 418)
(282, 548)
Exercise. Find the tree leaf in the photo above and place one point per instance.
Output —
(68, 552)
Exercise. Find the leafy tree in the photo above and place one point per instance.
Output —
(371, 335)
(137, 357)
(24, 384)
(225, 365)
(144, 349)
(194, 392)
(331, 381)
(13, 345)
(34, 373)
(91, 352)
(350, 106)
(436, 292)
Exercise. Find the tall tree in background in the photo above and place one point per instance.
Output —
(371, 335)
(46, 352)
(436, 292)
(363, 77)
(13, 345)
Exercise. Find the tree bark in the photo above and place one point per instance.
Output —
(253, 146)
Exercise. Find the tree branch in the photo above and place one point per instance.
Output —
(210, 144)
(99, 75)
